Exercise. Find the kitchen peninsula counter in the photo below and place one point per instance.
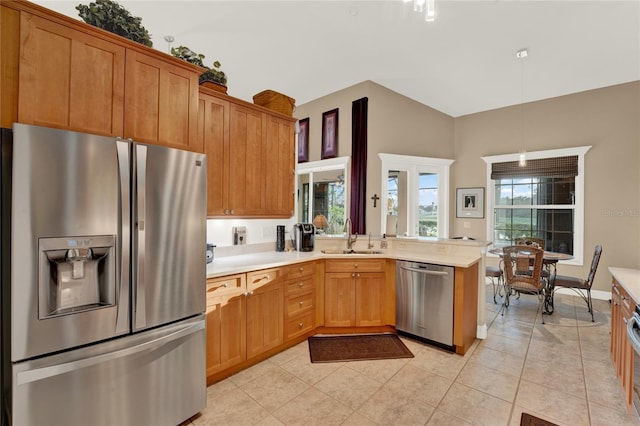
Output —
(629, 279)
(457, 255)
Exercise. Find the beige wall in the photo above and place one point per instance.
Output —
(608, 119)
(396, 125)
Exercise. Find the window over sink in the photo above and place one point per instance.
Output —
(322, 189)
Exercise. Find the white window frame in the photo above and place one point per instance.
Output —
(414, 166)
(312, 167)
(578, 225)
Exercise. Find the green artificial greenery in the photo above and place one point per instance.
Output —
(214, 74)
(110, 16)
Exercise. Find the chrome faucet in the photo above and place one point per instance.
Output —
(347, 230)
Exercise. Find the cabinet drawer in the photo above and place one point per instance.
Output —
(355, 265)
(299, 270)
(299, 287)
(296, 305)
(299, 325)
(260, 278)
(225, 285)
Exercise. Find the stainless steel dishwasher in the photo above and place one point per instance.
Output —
(424, 302)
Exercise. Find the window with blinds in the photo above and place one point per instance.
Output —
(537, 200)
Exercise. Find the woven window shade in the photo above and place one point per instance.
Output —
(556, 167)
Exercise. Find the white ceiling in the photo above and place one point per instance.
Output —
(462, 63)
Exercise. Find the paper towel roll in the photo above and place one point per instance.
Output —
(392, 225)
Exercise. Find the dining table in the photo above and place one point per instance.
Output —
(550, 260)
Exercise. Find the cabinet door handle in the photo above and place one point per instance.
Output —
(301, 303)
(301, 269)
(353, 275)
(301, 325)
(355, 265)
(301, 285)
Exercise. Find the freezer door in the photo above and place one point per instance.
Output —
(169, 268)
(69, 240)
(152, 378)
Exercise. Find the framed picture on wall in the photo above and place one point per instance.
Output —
(330, 134)
(303, 140)
(470, 202)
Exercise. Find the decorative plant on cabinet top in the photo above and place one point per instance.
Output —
(110, 16)
(215, 74)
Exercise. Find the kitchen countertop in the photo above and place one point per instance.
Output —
(262, 260)
(629, 279)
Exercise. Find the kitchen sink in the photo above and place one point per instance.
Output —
(352, 252)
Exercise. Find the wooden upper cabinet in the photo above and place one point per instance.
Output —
(213, 133)
(161, 102)
(279, 167)
(246, 161)
(69, 79)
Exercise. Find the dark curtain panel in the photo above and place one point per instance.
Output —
(359, 165)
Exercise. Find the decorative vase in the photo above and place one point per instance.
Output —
(213, 85)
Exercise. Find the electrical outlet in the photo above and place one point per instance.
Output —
(239, 235)
(383, 244)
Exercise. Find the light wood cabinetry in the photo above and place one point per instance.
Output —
(265, 311)
(246, 161)
(161, 102)
(251, 160)
(300, 299)
(280, 166)
(622, 353)
(226, 323)
(69, 79)
(62, 73)
(465, 307)
(355, 293)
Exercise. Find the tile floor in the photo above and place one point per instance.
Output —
(560, 371)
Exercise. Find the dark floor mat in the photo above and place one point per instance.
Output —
(357, 348)
(529, 420)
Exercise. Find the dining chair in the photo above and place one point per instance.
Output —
(534, 242)
(579, 285)
(522, 273)
(495, 274)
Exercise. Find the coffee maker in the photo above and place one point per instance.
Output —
(303, 236)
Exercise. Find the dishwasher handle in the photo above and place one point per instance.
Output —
(424, 271)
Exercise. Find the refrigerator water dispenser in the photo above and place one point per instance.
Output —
(76, 275)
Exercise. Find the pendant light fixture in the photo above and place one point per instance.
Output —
(521, 54)
(426, 6)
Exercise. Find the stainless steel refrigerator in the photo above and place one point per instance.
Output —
(103, 280)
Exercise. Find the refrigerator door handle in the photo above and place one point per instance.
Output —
(34, 375)
(141, 174)
(123, 151)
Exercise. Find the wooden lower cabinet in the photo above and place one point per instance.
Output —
(622, 353)
(465, 307)
(265, 318)
(226, 322)
(355, 293)
(226, 332)
(300, 300)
